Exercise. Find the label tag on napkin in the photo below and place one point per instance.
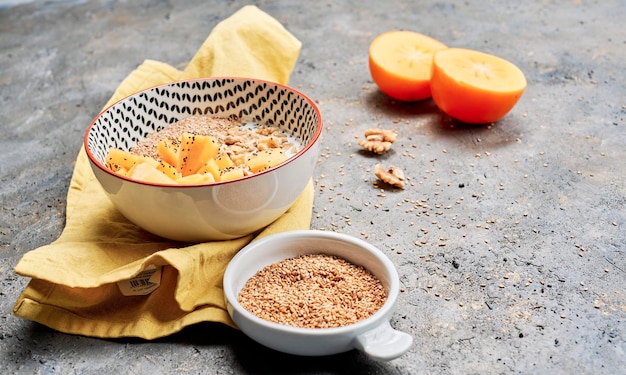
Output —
(145, 282)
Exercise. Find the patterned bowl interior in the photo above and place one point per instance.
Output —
(128, 121)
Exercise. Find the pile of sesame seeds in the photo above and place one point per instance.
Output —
(313, 291)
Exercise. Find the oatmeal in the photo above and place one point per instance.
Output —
(203, 149)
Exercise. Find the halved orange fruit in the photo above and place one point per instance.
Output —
(400, 64)
(475, 87)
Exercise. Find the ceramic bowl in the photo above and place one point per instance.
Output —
(374, 335)
(216, 211)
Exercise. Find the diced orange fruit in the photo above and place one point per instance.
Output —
(196, 179)
(168, 169)
(194, 152)
(212, 168)
(265, 159)
(122, 171)
(150, 160)
(224, 161)
(117, 159)
(167, 149)
(146, 172)
(232, 173)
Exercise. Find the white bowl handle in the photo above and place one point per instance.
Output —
(383, 343)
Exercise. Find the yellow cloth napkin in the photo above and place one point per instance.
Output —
(76, 281)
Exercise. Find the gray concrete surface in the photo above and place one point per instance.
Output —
(509, 240)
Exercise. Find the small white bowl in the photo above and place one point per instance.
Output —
(216, 211)
(374, 335)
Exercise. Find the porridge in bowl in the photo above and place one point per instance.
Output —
(203, 149)
(202, 208)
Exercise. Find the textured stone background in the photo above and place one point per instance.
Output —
(509, 240)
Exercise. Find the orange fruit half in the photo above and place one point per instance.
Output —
(475, 87)
(400, 63)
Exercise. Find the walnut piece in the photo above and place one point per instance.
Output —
(392, 175)
(378, 140)
(382, 134)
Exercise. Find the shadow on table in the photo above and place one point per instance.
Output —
(247, 356)
(424, 118)
(255, 358)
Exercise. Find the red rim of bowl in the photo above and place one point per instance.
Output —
(316, 135)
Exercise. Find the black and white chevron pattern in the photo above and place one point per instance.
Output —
(128, 121)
